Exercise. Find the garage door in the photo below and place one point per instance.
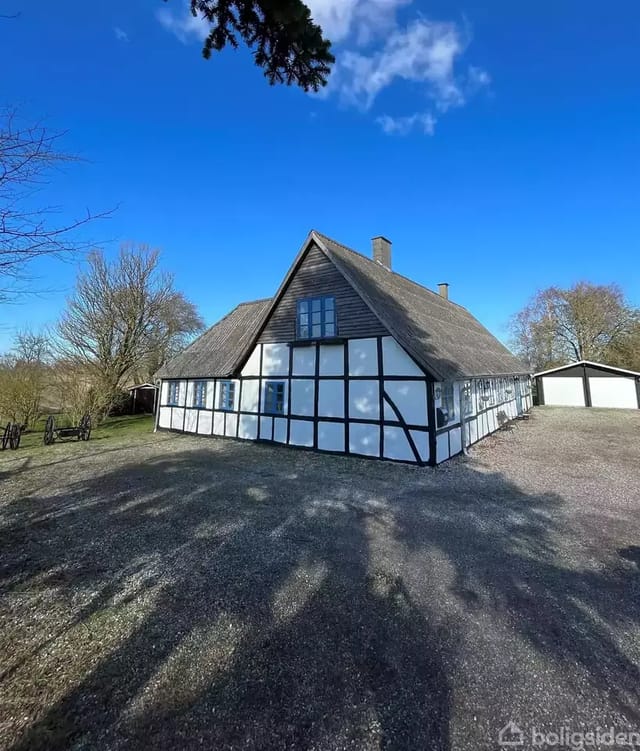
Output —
(568, 392)
(613, 392)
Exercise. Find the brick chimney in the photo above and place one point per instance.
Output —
(382, 251)
(443, 290)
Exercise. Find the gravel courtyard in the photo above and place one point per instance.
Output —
(176, 592)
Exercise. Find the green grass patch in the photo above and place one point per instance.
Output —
(111, 428)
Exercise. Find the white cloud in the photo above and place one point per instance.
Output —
(121, 34)
(375, 54)
(361, 19)
(183, 24)
(403, 125)
(424, 53)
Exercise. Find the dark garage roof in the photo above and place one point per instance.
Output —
(441, 335)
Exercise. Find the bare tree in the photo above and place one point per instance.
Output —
(24, 377)
(28, 157)
(581, 323)
(121, 316)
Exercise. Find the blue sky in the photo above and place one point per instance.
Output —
(497, 144)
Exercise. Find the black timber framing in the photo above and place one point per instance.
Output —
(404, 426)
(315, 418)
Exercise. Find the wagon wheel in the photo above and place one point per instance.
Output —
(6, 435)
(49, 428)
(85, 428)
(14, 436)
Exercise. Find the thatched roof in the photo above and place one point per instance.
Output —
(441, 335)
(214, 354)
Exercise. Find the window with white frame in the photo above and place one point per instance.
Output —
(274, 397)
(173, 396)
(227, 395)
(316, 318)
(199, 394)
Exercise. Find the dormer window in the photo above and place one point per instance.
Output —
(316, 318)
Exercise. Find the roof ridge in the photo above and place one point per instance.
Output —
(390, 271)
(253, 302)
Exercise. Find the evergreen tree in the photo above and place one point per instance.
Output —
(287, 44)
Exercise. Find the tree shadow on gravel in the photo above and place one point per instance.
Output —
(217, 603)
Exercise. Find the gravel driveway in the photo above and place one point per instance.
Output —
(191, 593)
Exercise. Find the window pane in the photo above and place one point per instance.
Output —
(316, 318)
(303, 306)
(316, 330)
(330, 329)
(304, 319)
(329, 303)
(316, 304)
(328, 316)
(304, 332)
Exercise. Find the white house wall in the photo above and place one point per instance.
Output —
(490, 404)
(365, 397)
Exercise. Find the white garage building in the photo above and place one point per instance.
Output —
(589, 384)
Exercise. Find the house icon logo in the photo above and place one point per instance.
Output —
(510, 736)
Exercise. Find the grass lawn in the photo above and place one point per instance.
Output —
(127, 426)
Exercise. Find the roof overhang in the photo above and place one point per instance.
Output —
(601, 365)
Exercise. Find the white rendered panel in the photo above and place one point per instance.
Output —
(232, 424)
(410, 398)
(191, 420)
(252, 366)
(455, 441)
(332, 360)
(250, 395)
(364, 439)
(421, 441)
(301, 433)
(364, 399)
(442, 447)
(331, 436)
(248, 427)
(331, 398)
(275, 359)
(218, 423)
(396, 361)
(177, 418)
(363, 357)
(164, 421)
(280, 430)
(302, 397)
(396, 445)
(266, 424)
(304, 361)
(204, 422)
